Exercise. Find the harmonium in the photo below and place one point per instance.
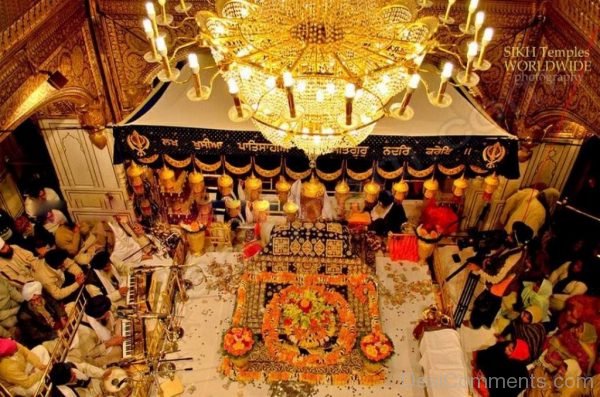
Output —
(150, 303)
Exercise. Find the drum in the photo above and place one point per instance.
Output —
(117, 383)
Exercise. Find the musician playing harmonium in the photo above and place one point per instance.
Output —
(107, 328)
(107, 277)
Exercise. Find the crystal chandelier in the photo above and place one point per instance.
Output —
(318, 74)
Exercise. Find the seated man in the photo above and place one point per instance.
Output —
(499, 270)
(388, 216)
(10, 300)
(15, 370)
(107, 328)
(77, 380)
(16, 264)
(39, 318)
(107, 278)
(60, 275)
(40, 200)
(28, 234)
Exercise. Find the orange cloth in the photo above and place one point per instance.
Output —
(359, 219)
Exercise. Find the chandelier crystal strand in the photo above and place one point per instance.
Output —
(319, 74)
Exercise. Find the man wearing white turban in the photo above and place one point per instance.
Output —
(39, 317)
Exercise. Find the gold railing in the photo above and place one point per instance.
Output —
(27, 23)
(63, 343)
(155, 341)
(585, 14)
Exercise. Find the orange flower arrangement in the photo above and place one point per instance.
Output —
(376, 347)
(238, 341)
(290, 353)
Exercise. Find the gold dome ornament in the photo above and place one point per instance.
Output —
(233, 207)
(134, 176)
(196, 181)
(431, 186)
(166, 177)
(225, 185)
(98, 138)
(290, 209)
(459, 186)
(261, 210)
(342, 190)
(490, 184)
(371, 190)
(313, 188)
(283, 188)
(399, 190)
(253, 187)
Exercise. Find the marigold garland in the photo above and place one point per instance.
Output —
(376, 347)
(290, 354)
(238, 341)
(362, 286)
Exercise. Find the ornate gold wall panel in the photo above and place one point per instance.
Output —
(56, 35)
(61, 42)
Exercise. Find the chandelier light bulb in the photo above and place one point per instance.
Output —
(414, 81)
(473, 5)
(488, 34)
(147, 23)
(419, 60)
(301, 86)
(447, 71)
(150, 10)
(288, 80)
(472, 8)
(472, 51)
(195, 67)
(446, 74)
(271, 83)
(471, 54)
(232, 86)
(161, 46)
(193, 63)
(245, 73)
(479, 19)
(350, 91)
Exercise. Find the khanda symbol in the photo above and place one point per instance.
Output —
(493, 154)
(138, 142)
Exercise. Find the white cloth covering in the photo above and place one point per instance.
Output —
(443, 364)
